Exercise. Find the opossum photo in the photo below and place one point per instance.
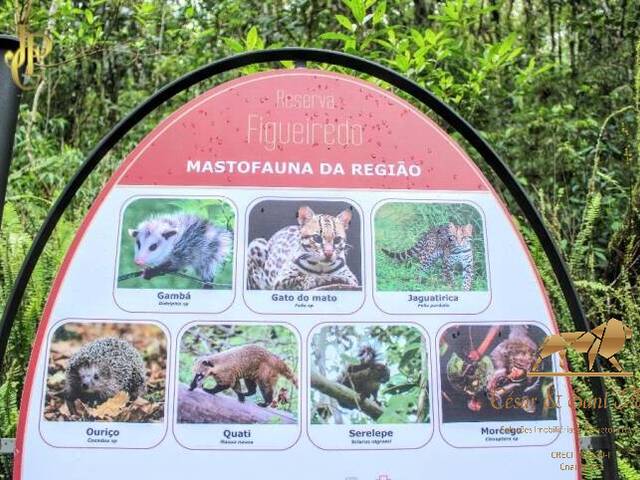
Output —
(177, 248)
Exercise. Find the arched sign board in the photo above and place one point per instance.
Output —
(330, 288)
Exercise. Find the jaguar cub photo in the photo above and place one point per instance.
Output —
(429, 247)
(304, 245)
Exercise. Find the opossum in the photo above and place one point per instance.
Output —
(101, 369)
(256, 365)
(170, 243)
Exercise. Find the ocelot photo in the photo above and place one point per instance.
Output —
(177, 243)
(304, 245)
(429, 247)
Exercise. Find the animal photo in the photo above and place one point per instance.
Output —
(238, 374)
(304, 245)
(174, 243)
(483, 374)
(106, 372)
(369, 374)
(429, 247)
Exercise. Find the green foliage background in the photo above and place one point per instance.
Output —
(553, 85)
(399, 225)
(206, 339)
(218, 212)
(400, 348)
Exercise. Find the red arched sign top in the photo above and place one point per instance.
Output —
(298, 125)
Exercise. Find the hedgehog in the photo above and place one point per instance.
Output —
(101, 369)
(174, 242)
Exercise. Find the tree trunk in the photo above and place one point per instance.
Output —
(421, 12)
(552, 27)
(199, 406)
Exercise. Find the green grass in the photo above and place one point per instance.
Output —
(399, 225)
(218, 212)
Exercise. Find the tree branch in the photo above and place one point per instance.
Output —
(345, 396)
(198, 406)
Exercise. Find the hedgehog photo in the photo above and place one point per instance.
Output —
(101, 369)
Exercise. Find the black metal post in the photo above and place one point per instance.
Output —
(9, 101)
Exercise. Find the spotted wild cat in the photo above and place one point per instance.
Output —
(451, 243)
(304, 256)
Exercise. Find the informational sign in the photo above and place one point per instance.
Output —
(296, 275)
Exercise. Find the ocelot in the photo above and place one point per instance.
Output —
(451, 243)
(306, 256)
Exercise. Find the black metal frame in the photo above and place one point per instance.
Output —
(10, 102)
(301, 56)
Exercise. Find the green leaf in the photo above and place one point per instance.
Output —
(233, 44)
(335, 36)
(432, 37)
(345, 22)
(88, 14)
(378, 14)
(417, 37)
(357, 8)
(402, 63)
(252, 38)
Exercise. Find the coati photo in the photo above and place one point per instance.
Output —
(484, 374)
(253, 365)
(429, 247)
(369, 374)
(106, 372)
(304, 245)
(177, 244)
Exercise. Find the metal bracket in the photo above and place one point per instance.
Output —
(7, 446)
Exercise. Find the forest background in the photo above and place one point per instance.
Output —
(553, 85)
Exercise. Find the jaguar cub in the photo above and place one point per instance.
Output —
(304, 256)
(450, 242)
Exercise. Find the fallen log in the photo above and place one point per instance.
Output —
(198, 406)
(345, 396)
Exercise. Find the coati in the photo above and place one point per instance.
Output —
(101, 369)
(170, 243)
(252, 363)
(364, 378)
